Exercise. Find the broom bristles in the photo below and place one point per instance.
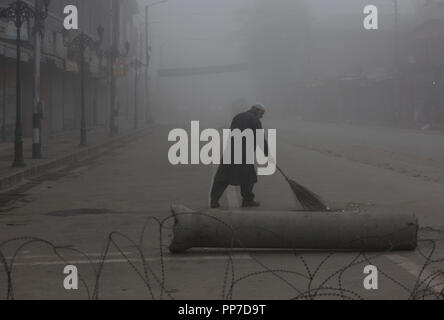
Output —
(309, 200)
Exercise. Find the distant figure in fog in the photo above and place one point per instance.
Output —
(243, 175)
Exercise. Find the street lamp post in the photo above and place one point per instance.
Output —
(19, 12)
(80, 43)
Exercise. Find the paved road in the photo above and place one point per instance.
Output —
(109, 204)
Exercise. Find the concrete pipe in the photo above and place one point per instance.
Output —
(330, 231)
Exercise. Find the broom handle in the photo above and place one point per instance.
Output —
(282, 172)
(279, 169)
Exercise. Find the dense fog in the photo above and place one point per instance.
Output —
(304, 59)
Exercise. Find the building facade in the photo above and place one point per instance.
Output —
(60, 78)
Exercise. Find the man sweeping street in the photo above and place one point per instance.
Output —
(244, 174)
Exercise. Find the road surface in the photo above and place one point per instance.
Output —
(110, 204)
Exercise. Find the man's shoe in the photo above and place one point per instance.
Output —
(250, 204)
(215, 205)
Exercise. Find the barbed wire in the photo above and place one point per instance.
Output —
(311, 283)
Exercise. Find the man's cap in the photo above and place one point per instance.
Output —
(259, 106)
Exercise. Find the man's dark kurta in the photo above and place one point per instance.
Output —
(240, 174)
(244, 174)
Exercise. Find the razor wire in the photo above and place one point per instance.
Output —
(330, 286)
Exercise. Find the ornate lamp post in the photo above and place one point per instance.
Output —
(19, 12)
(80, 43)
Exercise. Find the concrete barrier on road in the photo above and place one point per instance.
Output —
(329, 231)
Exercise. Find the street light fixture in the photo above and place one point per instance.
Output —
(80, 43)
(20, 12)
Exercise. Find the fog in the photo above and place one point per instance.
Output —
(110, 152)
(299, 58)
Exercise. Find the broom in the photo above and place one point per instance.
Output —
(309, 200)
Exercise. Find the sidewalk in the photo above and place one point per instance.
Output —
(57, 150)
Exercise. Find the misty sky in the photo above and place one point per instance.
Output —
(198, 33)
(209, 31)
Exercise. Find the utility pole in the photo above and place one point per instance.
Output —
(4, 103)
(18, 146)
(147, 66)
(83, 139)
(112, 54)
(37, 110)
(148, 114)
(115, 43)
(136, 64)
(136, 81)
(396, 78)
